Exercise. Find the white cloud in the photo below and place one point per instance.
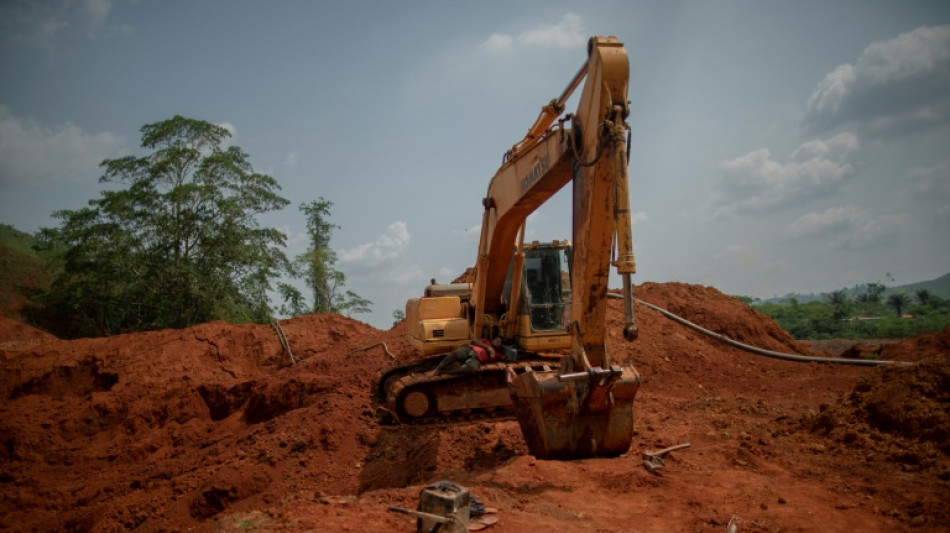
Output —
(296, 241)
(498, 43)
(470, 234)
(232, 129)
(836, 148)
(383, 270)
(392, 244)
(848, 227)
(834, 219)
(754, 182)
(447, 274)
(638, 217)
(568, 33)
(831, 91)
(408, 275)
(36, 154)
(930, 185)
(896, 86)
(291, 159)
(932, 181)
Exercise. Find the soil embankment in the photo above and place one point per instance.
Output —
(212, 428)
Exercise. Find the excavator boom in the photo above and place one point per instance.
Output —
(545, 297)
(585, 408)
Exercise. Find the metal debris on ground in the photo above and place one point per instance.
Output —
(733, 525)
(446, 507)
(653, 461)
(385, 349)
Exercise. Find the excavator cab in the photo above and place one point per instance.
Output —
(547, 291)
(543, 308)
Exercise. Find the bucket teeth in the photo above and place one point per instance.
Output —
(575, 419)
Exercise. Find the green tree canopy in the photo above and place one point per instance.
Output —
(317, 267)
(840, 303)
(175, 243)
(924, 297)
(898, 302)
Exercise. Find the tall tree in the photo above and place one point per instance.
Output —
(924, 297)
(319, 259)
(317, 266)
(840, 302)
(176, 242)
(870, 299)
(874, 290)
(898, 301)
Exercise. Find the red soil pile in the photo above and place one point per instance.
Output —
(213, 429)
(14, 333)
(901, 414)
(918, 348)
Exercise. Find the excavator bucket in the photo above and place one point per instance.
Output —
(572, 416)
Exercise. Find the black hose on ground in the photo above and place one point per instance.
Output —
(761, 351)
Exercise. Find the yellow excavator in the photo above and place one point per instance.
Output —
(546, 300)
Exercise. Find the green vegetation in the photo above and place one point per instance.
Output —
(398, 316)
(23, 272)
(316, 267)
(173, 242)
(865, 316)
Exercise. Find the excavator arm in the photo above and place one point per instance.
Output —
(546, 298)
(591, 153)
(585, 407)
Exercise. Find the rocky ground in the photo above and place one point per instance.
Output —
(212, 428)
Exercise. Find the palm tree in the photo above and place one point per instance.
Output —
(839, 302)
(870, 299)
(898, 301)
(924, 297)
(873, 292)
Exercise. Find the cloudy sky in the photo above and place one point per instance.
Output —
(777, 147)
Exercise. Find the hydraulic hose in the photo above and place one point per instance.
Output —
(761, 351)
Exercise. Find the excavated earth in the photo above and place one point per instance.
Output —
(212, 428)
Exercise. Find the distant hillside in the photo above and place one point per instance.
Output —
(938, 287)
(15, 239)
(21, 270)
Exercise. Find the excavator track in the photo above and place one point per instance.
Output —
(409, 396)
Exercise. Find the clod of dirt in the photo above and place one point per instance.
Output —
(69, 380)
(226, 486)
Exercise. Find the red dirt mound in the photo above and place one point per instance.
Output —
(12, 331)
(720, 313)
(917, 348)
(902, 414)
(213, 429)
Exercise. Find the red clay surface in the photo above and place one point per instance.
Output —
(212, 429)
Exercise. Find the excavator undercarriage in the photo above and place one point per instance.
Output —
(409, 395)
(565, 414)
